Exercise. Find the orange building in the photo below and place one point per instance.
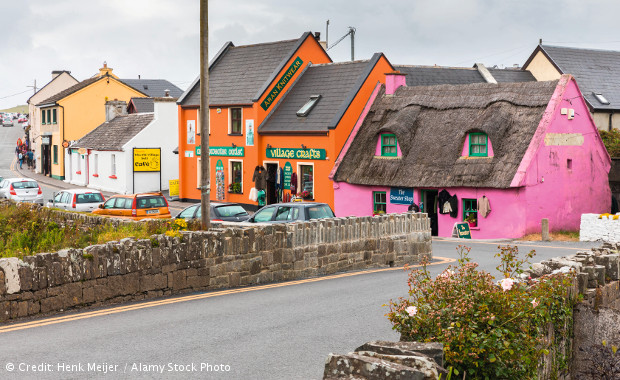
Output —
(280, 105)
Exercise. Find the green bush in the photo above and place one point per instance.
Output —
(611, 139)
(489, 330)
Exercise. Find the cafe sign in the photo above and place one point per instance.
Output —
(279, 86)
(225, 151)
(293, 153)
(146, 159)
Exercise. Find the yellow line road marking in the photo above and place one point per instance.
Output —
(509, 243)
(149, 304)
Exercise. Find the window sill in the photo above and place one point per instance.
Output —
(95, 175)
(389, 157)
(78, 172)
(112, 177)
(235, 134)
(474, 228)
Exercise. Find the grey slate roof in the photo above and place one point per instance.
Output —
(337, 83)
(436, 75)
(114, 134)
(143, 105)
(594, 70)
(431, 124)
(239, 72)
(154, 88)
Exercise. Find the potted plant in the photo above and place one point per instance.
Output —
(305, 194)
(234, 188)
(471, 220)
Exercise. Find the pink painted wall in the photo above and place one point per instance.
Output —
(560, 194)
(465, 151)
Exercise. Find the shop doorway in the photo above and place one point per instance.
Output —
(270, 191)
(429, 206)
(46, 160)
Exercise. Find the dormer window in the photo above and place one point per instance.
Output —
(478, 145)
(305, 110)
(388, 145)
(601, 99)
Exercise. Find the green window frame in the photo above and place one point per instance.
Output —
(54, 116)
(43, 119)
(478, 145)
(49, 116)
(55, 154)
(389, 145)
(470, 206)
(379, 201)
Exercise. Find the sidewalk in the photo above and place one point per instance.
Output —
(62, 185)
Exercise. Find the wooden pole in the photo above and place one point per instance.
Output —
(205, 185)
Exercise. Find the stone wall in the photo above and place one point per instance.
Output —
(604, 229)
(228, 256)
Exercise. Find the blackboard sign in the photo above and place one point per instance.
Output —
(461, 230)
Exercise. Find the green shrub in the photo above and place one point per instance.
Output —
(611, 139)
(489, 330)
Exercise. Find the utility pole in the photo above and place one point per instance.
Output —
(34, 87)
(205, 185)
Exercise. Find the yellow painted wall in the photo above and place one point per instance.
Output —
(84, 110)
(601, 119)
(542, 69)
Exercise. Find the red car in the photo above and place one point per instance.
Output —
(22, 120)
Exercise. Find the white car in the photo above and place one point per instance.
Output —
(85, 200)
(21, 190)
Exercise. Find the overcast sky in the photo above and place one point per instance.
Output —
(158, 39)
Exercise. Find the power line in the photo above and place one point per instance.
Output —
(19, 93)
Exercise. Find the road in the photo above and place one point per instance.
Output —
(277, 331)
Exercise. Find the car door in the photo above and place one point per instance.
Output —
(264, 215)
(56, 200)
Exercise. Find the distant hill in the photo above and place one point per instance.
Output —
(20, 109)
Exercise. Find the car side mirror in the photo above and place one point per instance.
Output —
(50, 200)
(101, 205)
(251, 220)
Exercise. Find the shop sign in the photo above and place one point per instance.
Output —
(249, 132)
(288, 172)
(225, 151)
(401, 196)
(174, 187)
(146, 159)
(462, 231)
(46, 140)
(82, 151)
(302, 154)
(279, 86)
(219, 166)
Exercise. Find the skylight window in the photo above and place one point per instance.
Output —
(305, 110)
(600, 98)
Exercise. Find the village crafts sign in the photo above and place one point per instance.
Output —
(302, 154)
(225, 151)
(277, 89)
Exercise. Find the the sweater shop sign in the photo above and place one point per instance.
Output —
(225, 151)
(280, 84)
(293, 153)
(401, 196)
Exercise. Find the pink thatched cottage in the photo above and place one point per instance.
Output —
(503, 156)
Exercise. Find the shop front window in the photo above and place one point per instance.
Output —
(379, 202)
(236, 177)
(470, 212)
(306, 186)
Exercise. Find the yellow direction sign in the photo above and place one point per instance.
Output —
(146, 160)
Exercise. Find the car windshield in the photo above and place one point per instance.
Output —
(89, 198)
(319, 212)
(231, 210)
(151, 202)
(25, 185)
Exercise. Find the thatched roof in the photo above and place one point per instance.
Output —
(431, 124)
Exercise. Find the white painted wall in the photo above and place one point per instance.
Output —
(104, 180)
(76, 171)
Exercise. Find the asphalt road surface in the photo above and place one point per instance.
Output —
(276, 331)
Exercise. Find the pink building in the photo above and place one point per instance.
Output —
(506, 155)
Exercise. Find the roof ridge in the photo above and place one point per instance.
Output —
(577, 48)
(264, 43)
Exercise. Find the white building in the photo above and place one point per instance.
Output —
(104, 158)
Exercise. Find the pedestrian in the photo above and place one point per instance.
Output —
(21, 159)
(30, 156)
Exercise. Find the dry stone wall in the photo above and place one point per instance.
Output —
(227, 256)
(595, 227)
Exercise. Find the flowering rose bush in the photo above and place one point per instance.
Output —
(488, 330)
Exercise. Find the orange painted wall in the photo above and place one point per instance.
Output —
(309, 51)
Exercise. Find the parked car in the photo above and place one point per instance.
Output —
(292, 212)
(22, 120)
(135, 206)
(21, 190)
(226, 212)
(84, 200)
(7, 122)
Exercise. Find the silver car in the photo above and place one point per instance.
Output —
(85, 200)
(21, 190)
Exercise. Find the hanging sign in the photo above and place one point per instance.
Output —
(288, 172)
(401, 196)
(461, 230)
(279, 86)
(146, 159)
(226, 151)
(219, 166)
(302, 154)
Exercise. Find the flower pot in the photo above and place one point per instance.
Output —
(472, 224)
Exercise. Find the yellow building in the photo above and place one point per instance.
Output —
(72, 113)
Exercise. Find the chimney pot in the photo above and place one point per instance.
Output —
(317, 36)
